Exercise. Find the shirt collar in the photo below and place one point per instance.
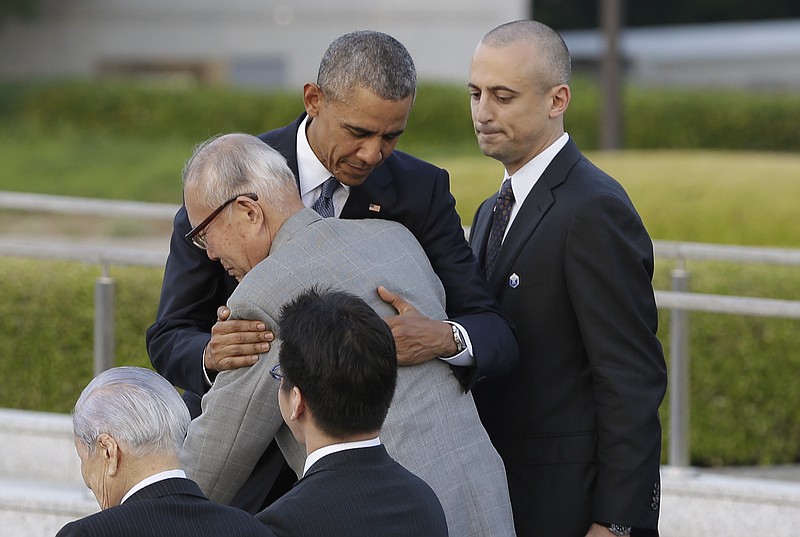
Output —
(147, 481)
(335, 448)
(526, 177)
(310, 170)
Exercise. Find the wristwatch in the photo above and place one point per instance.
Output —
(459, 339)
(617, 529)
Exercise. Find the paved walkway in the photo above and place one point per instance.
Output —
(789, 472)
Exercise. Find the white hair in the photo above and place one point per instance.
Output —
(135, 406)
(230, 165)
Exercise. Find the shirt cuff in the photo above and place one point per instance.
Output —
(465, 357)
(208, 380)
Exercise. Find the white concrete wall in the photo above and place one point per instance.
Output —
(752, 55)
(74, 37)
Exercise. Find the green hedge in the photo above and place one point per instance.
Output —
(745, 408)
(653, 118)
(47, 327)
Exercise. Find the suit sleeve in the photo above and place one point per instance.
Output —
(240, 418)
(469, 301)
(192, 290)
(73, 529)
(609, 277)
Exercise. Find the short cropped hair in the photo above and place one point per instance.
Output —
(225, 166)
(548, 42)
(135, 406)
(367, 59)
(342, 356)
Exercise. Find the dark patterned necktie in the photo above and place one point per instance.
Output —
(502, 212)
(324, 203)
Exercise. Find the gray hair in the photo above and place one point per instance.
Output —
(548, 42)
(230, 165)
(135, 406)
(371, 60)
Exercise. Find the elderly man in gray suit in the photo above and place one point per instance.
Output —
(243, 202)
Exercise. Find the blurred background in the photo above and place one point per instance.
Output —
(693, 106)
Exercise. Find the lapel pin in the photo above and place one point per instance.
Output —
(375, 208)
(513, 280)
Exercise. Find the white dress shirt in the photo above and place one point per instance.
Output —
(316, 455)
(312, 174)
(155, 478)
(526, 177)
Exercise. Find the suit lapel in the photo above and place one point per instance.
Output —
(481, 226)
(533, 209)
(374, 197)
(369, 200)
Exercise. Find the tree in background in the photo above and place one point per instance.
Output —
(575, 14)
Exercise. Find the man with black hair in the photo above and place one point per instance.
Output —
(337, 374)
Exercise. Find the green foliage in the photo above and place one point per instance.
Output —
(157, 111)
(111, 141)
(653, 118)
(712, 120)
(47, 320)
(744, 405)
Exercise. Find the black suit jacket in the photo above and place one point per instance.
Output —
(407, 190)
(576, 422)
(168, 508)
(357, 493)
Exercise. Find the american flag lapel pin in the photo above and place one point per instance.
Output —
(374, 207)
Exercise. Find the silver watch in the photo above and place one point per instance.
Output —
(459, 339)
(617, 529)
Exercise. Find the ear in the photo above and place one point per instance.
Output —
(250, 210)
(110, 453)
(560, 96)
(313, 99)
(298, 404)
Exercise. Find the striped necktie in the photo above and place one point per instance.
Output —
(502, 213)
(324, 203)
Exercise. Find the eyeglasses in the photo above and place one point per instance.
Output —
(277, 373)
(200, 240)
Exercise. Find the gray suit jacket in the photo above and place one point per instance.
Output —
(432, 429)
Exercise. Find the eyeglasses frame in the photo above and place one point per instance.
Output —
(193, 237)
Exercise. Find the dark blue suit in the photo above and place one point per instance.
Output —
(577, 421)
(407, 190)
(168, 508)
(359, 492)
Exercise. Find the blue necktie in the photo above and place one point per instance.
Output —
(502, 213)
(324, 203)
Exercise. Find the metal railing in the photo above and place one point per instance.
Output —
(105, 287)
(679, 300)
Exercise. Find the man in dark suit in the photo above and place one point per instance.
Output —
(129, 424)
(355, 114)
(570, 263)
(337, 372)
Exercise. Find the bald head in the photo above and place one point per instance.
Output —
(549, 46)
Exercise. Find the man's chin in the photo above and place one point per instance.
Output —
(354, 180)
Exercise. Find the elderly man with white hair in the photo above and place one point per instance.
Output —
(129, 424)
